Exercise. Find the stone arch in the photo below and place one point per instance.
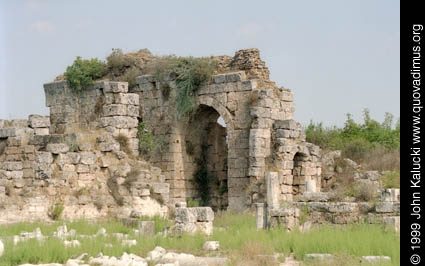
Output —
(219, 107)
(205, 147)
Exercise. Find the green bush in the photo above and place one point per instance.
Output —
(83, 72)
(358, 141)
(56, 211)
(148, 142)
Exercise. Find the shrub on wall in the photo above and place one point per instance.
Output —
(189, 73)
(83, 72)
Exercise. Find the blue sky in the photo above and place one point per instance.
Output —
(338, 57)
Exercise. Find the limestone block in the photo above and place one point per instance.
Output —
(147, 228)
(211, 246)
(14, 174)
(87, 158)
(74, 157)
(115, 110)
(286, 96)
(85, 146)
(133, 98)
(390, 194)
(286, 124)
(184, 215)
(7, 132)
(82, 168)
(219, 78)
(160, 188)
(38, 121)
(248, 85)
(273, 189)
(41, 131)
(235, 76)
(205, 227)
(387, 207)
(109, 146)
(260, 112)
(133, 110)
(11, 166)
(43, 157)
(156, 254)
(116, 87)
(203, 214)
(375, 259)
(318, 257)
(57, 148)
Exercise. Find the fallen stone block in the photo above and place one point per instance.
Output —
(318, 257)
(211, 246)
(156, 254)
(147, 228)
(375, 259)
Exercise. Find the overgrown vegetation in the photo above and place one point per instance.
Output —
(375, 145)
(189, 73)
(148, 142)
(55, 211)
(240, 241)
(83, 72)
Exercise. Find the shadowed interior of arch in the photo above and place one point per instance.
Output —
(206, 157)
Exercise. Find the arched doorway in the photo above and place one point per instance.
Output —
(205, 158)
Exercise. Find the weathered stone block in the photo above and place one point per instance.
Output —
(41, 131)
(57, 148)
(147, 228)
(87, 158)
(185, 215)
(203, 214)
(116, 87)
(160, 188)
(7, 132)
(43, 157)
(220, 78)
(11, 166)
(235, 76)
(115, 110)
(387, 207)
(38, 121)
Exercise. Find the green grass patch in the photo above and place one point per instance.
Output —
(240, 241)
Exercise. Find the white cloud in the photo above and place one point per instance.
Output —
(43, 26)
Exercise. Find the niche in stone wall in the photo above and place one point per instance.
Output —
(298, 173)
(205, 153)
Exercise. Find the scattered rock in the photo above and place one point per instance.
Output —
(129, 243)
(375, 259)
(156, 254)
(211, 246)
(1, 248)
(318, 257)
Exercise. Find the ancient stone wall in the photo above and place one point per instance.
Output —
(259, 155)
(92, 172)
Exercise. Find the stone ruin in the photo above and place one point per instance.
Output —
(84, 156)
